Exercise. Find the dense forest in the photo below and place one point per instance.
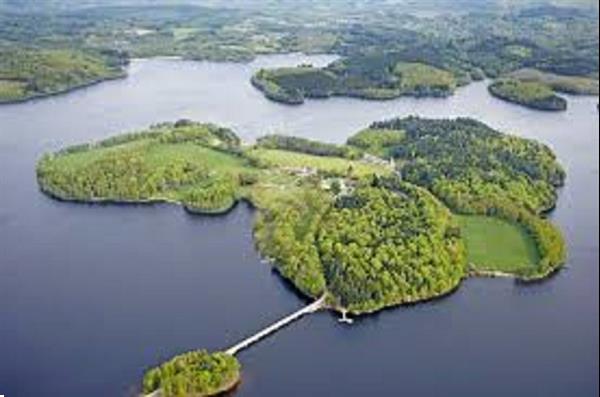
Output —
(385, 53)
(464, 160)
(196, 373)
(388, 243)
(286, 232)
(338, 219)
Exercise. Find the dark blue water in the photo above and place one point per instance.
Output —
(90, 296)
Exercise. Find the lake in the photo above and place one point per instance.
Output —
(92, 295)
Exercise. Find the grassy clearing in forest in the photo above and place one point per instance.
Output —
(497, 245)
(337, 165)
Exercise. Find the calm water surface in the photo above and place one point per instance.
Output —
(92, 295)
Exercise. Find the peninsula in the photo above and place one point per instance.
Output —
(355, 78)
(401, 213)
(530, 94)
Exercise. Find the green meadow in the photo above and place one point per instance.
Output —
(496, 244)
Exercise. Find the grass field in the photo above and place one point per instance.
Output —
(498, 245)
(156, 155)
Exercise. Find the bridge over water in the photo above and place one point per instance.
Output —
(233, 350)
(313, 307)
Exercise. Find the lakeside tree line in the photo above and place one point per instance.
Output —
(303, 145)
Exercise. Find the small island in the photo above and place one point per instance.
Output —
(374, 77)
(531, 94)
(197, 374)
(401, 213)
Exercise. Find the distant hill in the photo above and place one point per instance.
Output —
(410, 5)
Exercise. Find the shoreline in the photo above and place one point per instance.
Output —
(224, 390)
(260, 84)
(124, 74)
(268, 260)
(470, 272)
(407, 303)
(38, 96)
(562, 105)
(146, 202)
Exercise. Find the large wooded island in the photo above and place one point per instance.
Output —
(401, 213)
